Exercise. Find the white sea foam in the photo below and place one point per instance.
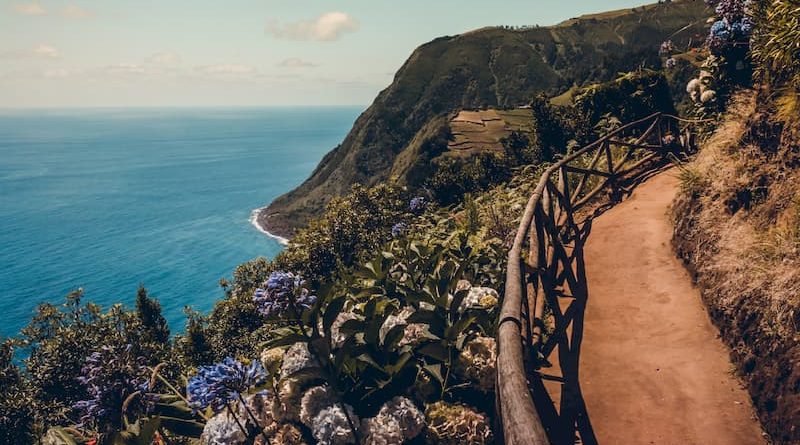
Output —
(254, 222)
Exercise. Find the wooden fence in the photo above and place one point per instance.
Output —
(540, 328)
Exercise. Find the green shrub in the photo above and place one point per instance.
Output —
(16, 414)
(774, 46)
(630, 97)
(453, 178)
(350, 226)
(59, 338)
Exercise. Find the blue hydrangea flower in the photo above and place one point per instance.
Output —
(280, 289)
(399, 229)
(742, 28)
(417, 204)
(111, 375)
(222, 383)
(721, 30)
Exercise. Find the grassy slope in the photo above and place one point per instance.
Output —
(738, 229)
(487, 67)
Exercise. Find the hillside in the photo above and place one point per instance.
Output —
(489, 67)
(737, 228)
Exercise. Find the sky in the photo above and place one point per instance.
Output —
(125, 53)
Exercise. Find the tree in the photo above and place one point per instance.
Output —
(149, 312)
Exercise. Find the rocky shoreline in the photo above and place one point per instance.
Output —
(260, 219)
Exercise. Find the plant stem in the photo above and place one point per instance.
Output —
(316, 353)
(228, 405)
(253, 418)
(172, 388)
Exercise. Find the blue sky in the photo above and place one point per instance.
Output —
(64, 53)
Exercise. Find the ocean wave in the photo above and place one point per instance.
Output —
(254, 222)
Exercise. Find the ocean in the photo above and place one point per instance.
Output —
(105, 199)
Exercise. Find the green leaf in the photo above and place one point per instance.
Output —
(458, 298)
(60, 436)
(182, 427)
(287, 340)
(366, 358)
(436, 351)
(351, 326)
(400, 364)
(435, 371)
(174, 409)
(332, 311)
(394, 336)
(452, 332)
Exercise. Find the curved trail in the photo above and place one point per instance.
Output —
(652, 368)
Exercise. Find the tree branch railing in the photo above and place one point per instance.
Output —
(546, 281)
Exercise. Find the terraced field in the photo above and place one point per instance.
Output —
(480, 130)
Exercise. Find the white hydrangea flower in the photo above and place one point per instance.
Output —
(314, 401)
(332, 427)
(693, 86)
(457, 425)
(412, 333)
(382, 430)
(222, 429)
(260, 406)
(337, 337)
(297, 357)
(286, 403)
(284, 434)
(271, 359)
(476, 295)
(410, 419)
(708, 96)
(463, 285)
(478, 362)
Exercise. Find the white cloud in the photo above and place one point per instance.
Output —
(42, 51)
(32, 8)
(226, 69)
(294, 62)
(58, 73)
(164, 58)
(75, 12)
(46, 52)
(327, 27)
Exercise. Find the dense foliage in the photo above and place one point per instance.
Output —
(776, 55)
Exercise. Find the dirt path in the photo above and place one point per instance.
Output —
(652, 368)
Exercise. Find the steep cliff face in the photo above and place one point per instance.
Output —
(489, 67)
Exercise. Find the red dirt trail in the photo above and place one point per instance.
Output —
(652, 368)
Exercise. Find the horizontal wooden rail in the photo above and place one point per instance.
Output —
(545, 270)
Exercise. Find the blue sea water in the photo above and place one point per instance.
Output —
(105, 199)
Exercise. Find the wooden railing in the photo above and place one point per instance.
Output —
(546, 291)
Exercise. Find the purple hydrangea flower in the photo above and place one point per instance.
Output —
(730, 10)
(399, 229)
(417, 204)
(111, 375)
(222, 383)
(670, 63)
(279, 291)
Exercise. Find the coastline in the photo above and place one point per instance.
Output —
(258, 220)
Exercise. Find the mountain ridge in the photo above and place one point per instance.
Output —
(487, 67)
